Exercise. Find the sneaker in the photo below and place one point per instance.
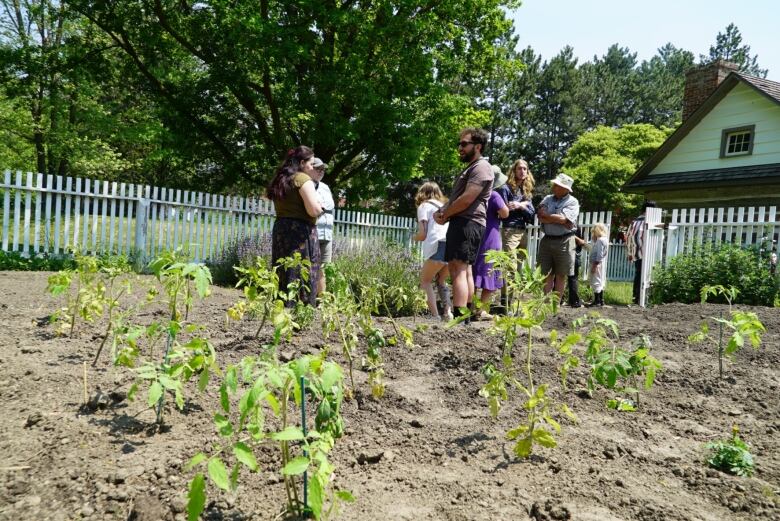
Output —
(447, 317)
(484, 316)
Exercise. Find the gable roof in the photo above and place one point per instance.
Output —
(767, 88)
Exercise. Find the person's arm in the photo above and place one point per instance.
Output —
(458, 205)
(503, 212)
(546, 217)
(526, 209)
(630, 245)
(310, 199)
(422, 231)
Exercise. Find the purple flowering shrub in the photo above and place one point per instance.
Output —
(240, 252)
(387, 262)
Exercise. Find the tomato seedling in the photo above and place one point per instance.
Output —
(744, 325)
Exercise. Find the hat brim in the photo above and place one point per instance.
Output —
(500, 180)
(561, 185)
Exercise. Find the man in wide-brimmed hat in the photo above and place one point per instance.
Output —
(558, 214)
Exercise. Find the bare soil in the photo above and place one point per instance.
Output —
(427, 450)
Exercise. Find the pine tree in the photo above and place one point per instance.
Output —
(728, 46)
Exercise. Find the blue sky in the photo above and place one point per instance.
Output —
(591, 26)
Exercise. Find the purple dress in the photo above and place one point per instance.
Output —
(484, 276)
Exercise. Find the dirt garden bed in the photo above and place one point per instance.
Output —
(427, 450)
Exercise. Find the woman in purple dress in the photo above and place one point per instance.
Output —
(484, 276)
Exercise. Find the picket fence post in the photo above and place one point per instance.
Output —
(142, 205)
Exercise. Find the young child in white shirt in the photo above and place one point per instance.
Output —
(598, 247)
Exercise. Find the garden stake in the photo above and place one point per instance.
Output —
(165, 362)
(720, 346)
(305, 452)
(86, 398)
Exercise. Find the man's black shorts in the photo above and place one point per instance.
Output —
(463, 239)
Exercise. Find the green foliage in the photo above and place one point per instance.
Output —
(85, 299)
(262, 386)
(742, 325)
(350, 314)
(390, 266)
(264, 299)
(379, 79)
(603, 159)
(723, 264)
(528, 310)
(16, 261)
(728, 46)
(182, 360)
(626, 371)
(732, 456)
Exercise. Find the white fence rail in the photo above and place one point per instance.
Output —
(53, 214)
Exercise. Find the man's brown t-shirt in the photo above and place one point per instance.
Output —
(481, 173)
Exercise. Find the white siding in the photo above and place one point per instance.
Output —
(700, 149)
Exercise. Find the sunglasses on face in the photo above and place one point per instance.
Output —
(463, 144)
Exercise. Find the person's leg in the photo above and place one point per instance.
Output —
(444, 291)
(637, 279)
(560, 285)
(485, 298)
(549, 282)
(429, 270)
(460, 284)
(470, 281)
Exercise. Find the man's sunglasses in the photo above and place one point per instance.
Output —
(463, 144)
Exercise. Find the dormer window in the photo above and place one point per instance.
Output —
(737, 141)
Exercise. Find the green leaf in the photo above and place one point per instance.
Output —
(523, 447)
(296, 466)
(345, 495)
(202, 281)
(132, 392)
(245, 455)
(197, 459)
(315, 496)
(234, 478)
(155, 393)
(289, 434)
(544, 438)
(203, 380)
(224, 426)
(331, 375)
(196, 497)
(224, 400)
(218, 473)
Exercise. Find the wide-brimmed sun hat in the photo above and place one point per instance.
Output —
(318, 163)
(499, 178)
(563, 181)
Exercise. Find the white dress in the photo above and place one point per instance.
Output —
(598, 253)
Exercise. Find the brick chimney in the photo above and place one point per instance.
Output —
(702, 81)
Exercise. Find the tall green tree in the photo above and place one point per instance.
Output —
(602, 160)
(611, 87)
(558, 116)
(68, 103)
(728, 46)
(356, 80)
(661, 86)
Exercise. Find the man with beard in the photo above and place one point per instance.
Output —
(466, 212)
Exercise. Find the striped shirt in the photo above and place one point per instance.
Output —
(636, 238)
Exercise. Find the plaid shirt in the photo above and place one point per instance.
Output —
(636, 238)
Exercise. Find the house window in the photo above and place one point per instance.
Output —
(737, 141)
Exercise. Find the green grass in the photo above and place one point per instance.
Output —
(618, 293)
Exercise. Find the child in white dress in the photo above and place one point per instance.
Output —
(599, 247)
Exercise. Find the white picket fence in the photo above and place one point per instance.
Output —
(682, 230)
(96, 216)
